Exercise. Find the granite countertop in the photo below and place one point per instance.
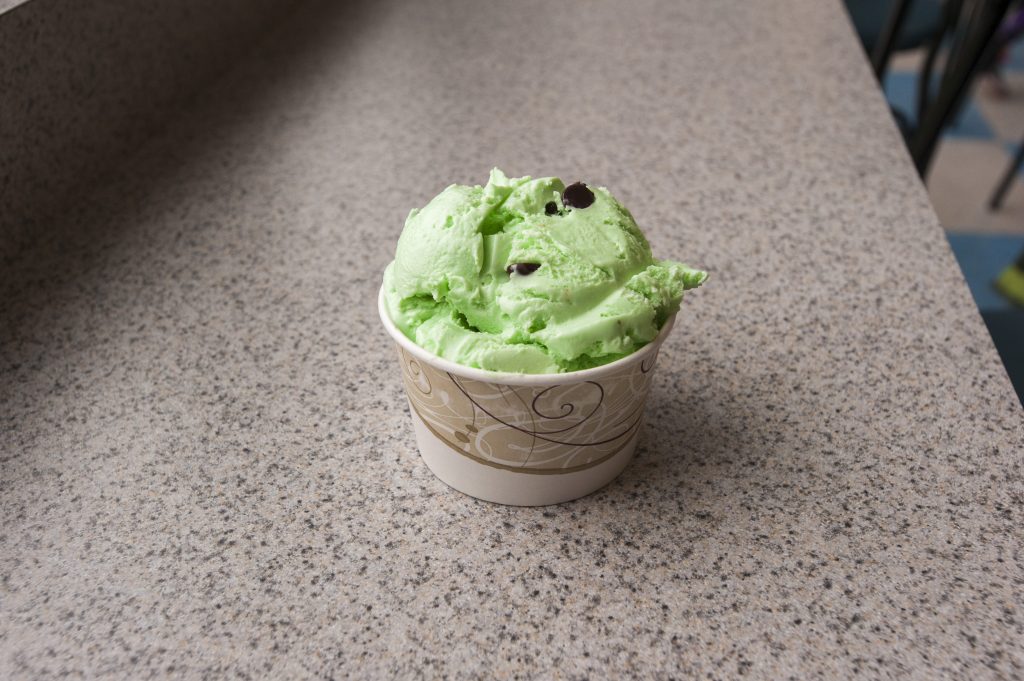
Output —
(208, 467)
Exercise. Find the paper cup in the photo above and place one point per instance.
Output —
(525, 439)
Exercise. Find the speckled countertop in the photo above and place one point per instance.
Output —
(208, 468)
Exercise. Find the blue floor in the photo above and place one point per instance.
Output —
(982, 257)
(1015, 59)
(1011, 149)
(901, 91)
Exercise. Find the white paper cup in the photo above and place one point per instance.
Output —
(525, 439)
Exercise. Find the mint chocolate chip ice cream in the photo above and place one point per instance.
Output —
(530, 276)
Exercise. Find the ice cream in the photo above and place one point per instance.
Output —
(530, 276)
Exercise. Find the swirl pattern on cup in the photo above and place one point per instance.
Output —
(545, 429)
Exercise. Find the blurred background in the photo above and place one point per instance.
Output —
(953, 73)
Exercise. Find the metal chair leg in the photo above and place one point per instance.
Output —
(985, 20)
(950, 13)
(887, 40)
(996, 202)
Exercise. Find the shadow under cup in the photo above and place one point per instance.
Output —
(525, 439)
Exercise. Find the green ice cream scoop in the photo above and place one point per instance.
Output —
(530, 276)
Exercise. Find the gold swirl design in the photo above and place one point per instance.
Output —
(420, 380)
(546, 429)
(520, 469)
(567, 407)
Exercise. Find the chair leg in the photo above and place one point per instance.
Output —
(996, 202)
(950, 13)
(956, 81)
(887, 40)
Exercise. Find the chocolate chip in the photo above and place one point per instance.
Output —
(522, 268)
(577, 195)
(551, 208)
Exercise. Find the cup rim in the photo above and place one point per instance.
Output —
(512, 378)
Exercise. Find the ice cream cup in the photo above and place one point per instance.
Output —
(525, 439)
